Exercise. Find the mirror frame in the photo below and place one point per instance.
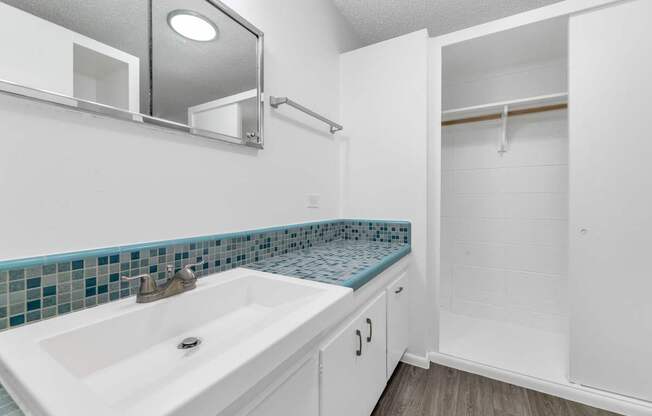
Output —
(76, 104)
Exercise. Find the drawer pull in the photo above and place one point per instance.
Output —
(371, 330)
(359, 350)
(399, 290)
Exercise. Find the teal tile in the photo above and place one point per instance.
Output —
(49, 280)
(49, 312)
(34, 293)
(90, 261)
(33, 271)
(49, 301)
(64, 288)
(16, 320)
(17, 297)
(33, 282)
(16, 285)
(49, 291)
(33, 316)
(16, 308)
(34, 304)
(102, 298)
(16, 274)
(49, 269)
(64, 298)
(64, 277)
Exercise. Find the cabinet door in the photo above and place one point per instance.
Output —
(610, 200)
(373, 372)
(341, 380)
(397, 322)
(297, 396)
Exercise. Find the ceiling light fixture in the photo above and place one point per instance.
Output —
(192, 25)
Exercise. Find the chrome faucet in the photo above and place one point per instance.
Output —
(182, 281)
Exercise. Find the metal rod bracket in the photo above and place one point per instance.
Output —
(275, 102)
(502, 149)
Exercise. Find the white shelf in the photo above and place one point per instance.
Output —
(485, 109)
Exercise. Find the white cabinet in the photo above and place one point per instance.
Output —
(397, 322)
(374, 353)
(340, 362)
(348, 374)
(610, 200)
(296, 396)
(353, 363)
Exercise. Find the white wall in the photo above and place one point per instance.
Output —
(384, 173)
(72, 181)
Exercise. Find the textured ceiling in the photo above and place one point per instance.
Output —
(186, 73)
(378, 20)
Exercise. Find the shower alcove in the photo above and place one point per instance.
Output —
(504, 201)
(544, 219)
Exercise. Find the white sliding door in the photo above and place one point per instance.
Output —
(611, 198)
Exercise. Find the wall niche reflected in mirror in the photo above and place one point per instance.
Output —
(189, 65)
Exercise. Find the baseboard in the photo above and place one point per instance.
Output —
(574, 392)
(416, 360)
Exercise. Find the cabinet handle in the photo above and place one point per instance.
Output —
(371, 330)
(359, 334)
(399, 290)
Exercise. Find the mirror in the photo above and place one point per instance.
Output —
(189, 65)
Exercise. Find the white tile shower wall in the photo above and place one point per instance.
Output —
(504, 221)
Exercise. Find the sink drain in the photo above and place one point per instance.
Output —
(189, 343)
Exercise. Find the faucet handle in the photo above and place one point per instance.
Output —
(190, 266)
(187, 274)
(147, 283)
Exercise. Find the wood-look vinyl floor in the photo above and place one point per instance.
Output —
(443, 391)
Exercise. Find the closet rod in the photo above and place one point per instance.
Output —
(498, 116)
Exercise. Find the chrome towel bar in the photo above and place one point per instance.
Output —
(276, 101)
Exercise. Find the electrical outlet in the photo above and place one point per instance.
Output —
(312, 200)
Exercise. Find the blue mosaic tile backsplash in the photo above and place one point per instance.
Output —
(44, 287)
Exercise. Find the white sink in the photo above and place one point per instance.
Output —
(122, 358)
